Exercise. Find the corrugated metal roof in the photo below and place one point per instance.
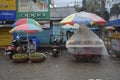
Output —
(61, 12)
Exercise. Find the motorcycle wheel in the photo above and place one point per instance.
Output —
(55, 54)
(96, 59)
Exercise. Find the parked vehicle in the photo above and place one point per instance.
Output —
(85, 45)
(11, 48)
(88, 54)
(14, 47)
(55, 48)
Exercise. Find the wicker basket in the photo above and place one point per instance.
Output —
(36, 60)
(36, 57)
(20, 60)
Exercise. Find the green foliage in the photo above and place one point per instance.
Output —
(19, 56)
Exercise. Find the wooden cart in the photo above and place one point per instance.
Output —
(113, 43)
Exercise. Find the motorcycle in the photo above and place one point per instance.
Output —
(55, 48)
(11, 48)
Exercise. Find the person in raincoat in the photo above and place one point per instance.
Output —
(31, 46)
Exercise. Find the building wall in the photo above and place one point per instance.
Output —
(5, 37)
(115, 17)
(54, 29)
(44, 36)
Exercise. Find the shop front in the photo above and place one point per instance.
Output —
(7, 17)
(5, 37)
(39, 10)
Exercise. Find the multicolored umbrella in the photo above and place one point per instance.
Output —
(28, 28)
(83, 18)
(25, 21)
(75, 26)
(110, 28)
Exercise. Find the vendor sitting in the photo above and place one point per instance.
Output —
(20, 48)
(31, 46)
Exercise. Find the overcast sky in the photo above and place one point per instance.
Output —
(60, 3)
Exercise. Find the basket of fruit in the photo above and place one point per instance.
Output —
(36, 57)
(20, 58)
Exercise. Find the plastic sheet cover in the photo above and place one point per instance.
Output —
(84, 41)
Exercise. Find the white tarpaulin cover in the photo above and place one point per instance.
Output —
(84, 41)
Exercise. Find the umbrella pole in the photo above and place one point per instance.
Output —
(27, 37)
(28, 44)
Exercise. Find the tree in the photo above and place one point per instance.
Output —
(96, 6)
(77, 8)
(91, 5)
(115, 10)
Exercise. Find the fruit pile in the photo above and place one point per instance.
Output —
(36, 57)
(33, 57)
(20, 57)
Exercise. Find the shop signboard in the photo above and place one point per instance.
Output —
(7, 9)
(7, 4)
(116, 45)
(7, 14)
(37, 9)
(45, 24)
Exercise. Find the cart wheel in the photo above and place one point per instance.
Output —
(77, 59)
(55, 55)
(96, 59)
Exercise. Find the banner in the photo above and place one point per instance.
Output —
(37, 9)
(7, 4)
(7, 15)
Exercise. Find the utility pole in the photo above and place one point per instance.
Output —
(102, 15)
(75, 3)
(102, 7)
(83, 5)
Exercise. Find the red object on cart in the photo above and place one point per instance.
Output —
(91, 54)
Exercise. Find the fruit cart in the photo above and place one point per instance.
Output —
(89, 53)
(114, 40)
(85, 45)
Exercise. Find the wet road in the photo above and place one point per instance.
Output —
(62, 68)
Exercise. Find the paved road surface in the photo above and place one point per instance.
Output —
(62, 68)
